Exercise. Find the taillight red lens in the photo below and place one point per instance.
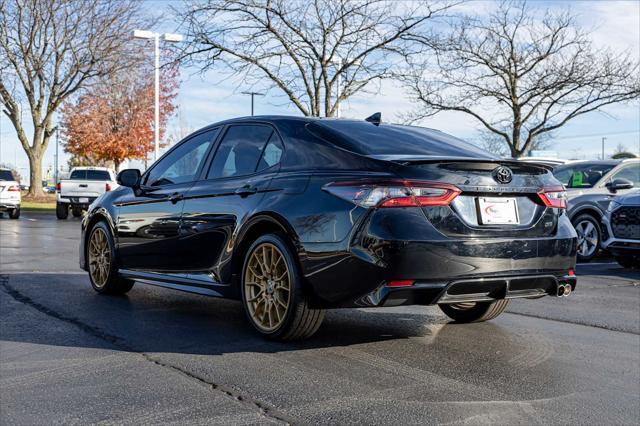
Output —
(107, 187)
(395, 194)
(554, 196)
(14, 188)
(58, 186)
(400, 283)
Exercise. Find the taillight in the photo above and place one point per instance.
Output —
(58, 186)
(394, 194)
(554, 196)
(14, 188)
(107, 187)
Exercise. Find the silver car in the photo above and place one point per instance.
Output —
(590, 187)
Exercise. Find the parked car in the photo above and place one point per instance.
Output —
(590, 187)
(84, 185)
(293, 216)
(10, 197)
(621, 229)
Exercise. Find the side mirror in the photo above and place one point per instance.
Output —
(618, 184)
(129, 178)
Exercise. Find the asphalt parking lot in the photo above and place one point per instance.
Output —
(69, 355)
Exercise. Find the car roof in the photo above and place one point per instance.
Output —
(289, 118)
(610, 162)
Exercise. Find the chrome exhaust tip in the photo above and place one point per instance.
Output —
(567, 290)
(564, 290)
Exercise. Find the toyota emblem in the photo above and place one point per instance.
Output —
(502, 174)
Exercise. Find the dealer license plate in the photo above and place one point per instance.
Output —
(498, 211)
(83, 200)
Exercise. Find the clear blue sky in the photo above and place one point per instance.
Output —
(204, 99)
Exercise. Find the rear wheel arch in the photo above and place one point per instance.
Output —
(255, 227)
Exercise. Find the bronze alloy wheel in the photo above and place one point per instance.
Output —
(463, 306)
(267, 287)
(99, 257)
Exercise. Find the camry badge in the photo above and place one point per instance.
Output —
(502, 174)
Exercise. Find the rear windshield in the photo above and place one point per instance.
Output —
(390, 139)
(6, 175)
(90, 175)
(581, 175)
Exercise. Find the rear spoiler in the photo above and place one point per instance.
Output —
(406, 160)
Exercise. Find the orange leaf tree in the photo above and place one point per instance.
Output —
(113, 120)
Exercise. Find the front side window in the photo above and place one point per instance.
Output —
(239, 152)
(182, 164)
(631, 173)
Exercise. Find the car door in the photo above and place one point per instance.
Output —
(245, 160)
(149, 218)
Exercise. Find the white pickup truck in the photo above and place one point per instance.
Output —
(9, 194)
(84, 185)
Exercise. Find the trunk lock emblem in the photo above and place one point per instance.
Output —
(502, 174)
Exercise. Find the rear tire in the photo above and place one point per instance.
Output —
(273, 296)
(101, 262)
(76, 212)
(589, 235)
(14, 213)
(62, 211)
(478, 312)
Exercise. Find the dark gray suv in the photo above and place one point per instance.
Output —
(590, 187)
(621, 229)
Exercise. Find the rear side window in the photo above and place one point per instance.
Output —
(581, 175)
(239, 152)
(6, 175)
(390, 139)
(90, 175)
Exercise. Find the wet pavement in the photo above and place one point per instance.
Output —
(69, 355)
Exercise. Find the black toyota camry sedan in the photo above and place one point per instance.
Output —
(293, 216)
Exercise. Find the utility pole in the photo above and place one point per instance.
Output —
(603, 139)
(252, 95)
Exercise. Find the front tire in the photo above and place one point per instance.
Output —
(589, 234)
(62, 211)
(101, 261)
(14, 213)
(474, 311)
(273, 296)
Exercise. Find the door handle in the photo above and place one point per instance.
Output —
(175, 197)
(246, 190)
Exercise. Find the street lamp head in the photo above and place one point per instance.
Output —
(172, 38)
(143, 34)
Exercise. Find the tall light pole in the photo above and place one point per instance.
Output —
(603, 139)
(170, 38)
(252, 95)
(56, 162)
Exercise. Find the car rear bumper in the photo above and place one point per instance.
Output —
(359, 274)
(5, 206)
(469, 290)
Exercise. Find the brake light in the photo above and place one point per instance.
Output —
(58, 186)
(107, 187)
(554, 196)
(14, 188)
(394, 193)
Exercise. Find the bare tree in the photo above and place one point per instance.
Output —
(49, 49)
(519, 76)
(318, 52)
